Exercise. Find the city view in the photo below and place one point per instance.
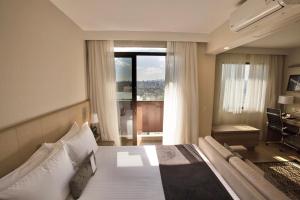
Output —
(150, 78)
(150, 90)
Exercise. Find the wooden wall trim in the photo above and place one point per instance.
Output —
(19, 141)
(40, 116)
(293, 66)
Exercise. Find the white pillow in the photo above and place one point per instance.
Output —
(81, 144)
(38, 157)
(48, 181)
(73, 130)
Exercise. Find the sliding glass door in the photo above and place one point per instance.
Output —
(126, 98)
(150, 98)
(140, 82)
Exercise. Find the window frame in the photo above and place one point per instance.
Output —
(133, 56)
(246, 80)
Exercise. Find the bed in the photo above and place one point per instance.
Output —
(29, 170)
(152, 172)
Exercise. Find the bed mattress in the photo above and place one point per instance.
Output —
(156, 173)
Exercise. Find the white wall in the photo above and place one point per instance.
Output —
(223, 37)
(264, 51)
(293, 58)
(42, 64)
(145, 36)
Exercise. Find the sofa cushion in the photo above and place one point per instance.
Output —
(255, 167)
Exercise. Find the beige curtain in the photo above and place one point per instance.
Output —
(102, 87)
(181, 101)
(240, 102)
(274, 87)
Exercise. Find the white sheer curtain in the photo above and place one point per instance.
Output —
(102, 87)
(246, 85)
(233, 84)
(257, 84)
(181, 102)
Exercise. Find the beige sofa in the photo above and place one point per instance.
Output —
(244, 178)
(226, 154)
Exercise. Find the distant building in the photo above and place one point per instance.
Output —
(127, 88)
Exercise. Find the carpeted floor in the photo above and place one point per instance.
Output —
(284, 175)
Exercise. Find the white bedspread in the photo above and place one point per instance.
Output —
(126, 173)
(131, 173)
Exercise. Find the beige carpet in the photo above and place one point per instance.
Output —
(284, 175)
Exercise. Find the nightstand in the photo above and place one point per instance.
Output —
(100, 142)
(105, 143)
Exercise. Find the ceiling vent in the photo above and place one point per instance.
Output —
(253, 11)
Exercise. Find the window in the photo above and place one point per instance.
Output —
(243, 87)
(140, 77)
(150, 78)
(124, 78)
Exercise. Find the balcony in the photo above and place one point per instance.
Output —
(149, 121)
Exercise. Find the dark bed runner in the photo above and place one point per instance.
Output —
(185, 176)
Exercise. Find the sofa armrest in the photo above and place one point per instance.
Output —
(268, 190)
(237, 182)
(253, 166)
(225, 153)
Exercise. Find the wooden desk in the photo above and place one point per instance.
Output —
(106, 143)
(239, 134)
(292, 122)
(292, 125)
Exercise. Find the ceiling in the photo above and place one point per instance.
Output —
(185, 16)
(287, 37)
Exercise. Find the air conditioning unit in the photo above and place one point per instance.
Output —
(254, 11)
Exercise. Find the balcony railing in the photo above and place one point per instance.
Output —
(149, 122)
(149, 116)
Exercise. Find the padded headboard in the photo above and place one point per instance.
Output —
(19, 142)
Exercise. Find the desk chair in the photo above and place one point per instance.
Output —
(275, 125)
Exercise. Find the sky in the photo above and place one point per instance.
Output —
(148, 68)
(123, 69)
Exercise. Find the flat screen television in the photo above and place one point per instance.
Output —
(294, 83)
